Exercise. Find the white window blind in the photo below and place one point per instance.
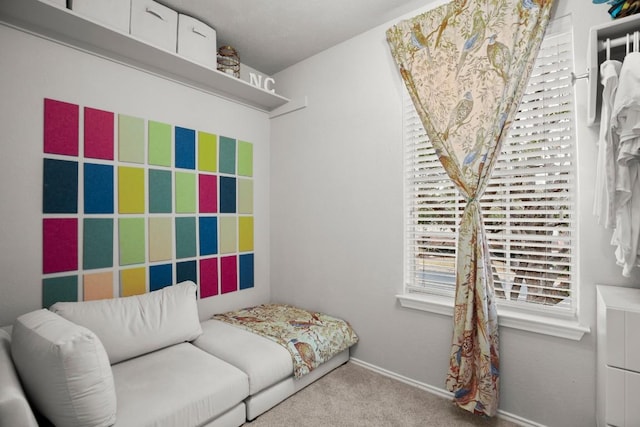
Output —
(528, 207)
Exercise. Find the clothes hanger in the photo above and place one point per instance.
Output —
(608, 49)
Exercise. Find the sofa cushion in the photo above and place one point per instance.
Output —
(131, 326)
(177, 386)
(14, 407)
(64, 369)
(264, 361)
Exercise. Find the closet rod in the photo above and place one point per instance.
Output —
(619, 41)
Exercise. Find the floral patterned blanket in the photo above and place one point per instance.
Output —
(311, 337)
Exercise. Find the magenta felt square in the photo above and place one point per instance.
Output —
(59, 245)
(208, 277)
(229, 274)
(98, 134)
(61, 127)
(208, 193)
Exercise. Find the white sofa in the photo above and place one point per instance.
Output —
(138, 361)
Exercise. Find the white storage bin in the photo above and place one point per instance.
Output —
(112, 13)
(154, 23)
(197, 41)
(59, 3)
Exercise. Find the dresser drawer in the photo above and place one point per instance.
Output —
(622, 398)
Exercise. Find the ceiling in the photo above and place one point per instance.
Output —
(271, 35)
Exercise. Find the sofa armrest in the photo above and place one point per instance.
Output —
(14, 407)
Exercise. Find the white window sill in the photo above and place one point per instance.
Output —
(507, 317)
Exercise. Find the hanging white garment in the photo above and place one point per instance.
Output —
(625, 122)
(604, 201)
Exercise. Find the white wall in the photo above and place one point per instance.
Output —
(31, 69)
(337, 228)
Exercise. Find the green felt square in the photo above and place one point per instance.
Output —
(159, 191)
(245, 158)
(159, 144)
(130, 139)
(227, 155)
(56, 289)
(97, 249)
(207, 152)
(185, 237)
(131, 240)
(185, 192)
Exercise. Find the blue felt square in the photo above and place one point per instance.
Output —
(208, 235)
(60, 186)
(160, 276)
(185, 148)
(227, 155)
(227, 194)
(159, 191)
(186, 271)
(98, 189)
(246, 271)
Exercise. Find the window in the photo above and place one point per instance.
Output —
(529, 206)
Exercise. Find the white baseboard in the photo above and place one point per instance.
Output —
(440, 392)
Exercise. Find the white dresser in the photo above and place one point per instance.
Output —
(618, 362)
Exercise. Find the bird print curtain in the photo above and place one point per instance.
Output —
(466, 65)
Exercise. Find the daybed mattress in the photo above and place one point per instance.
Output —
(203, 387)
(267, 364)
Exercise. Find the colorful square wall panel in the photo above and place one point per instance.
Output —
(160, 191)
(133, 281)
(97, 250)
(228, 240)
(245, 234)
(61, 127)
(245, 158)
(208, 277)
(98, 134)
(98, 189)
(160, 276)
(228, 274)
(130, 139)
(130, 190)
(207, 152)
(185, 148)
(227, 155)
(208, 193)
(59, 289)
(159, 144)
(160, 239)
(97, 286)
(208, 229)
(245, 196)
(185, 237)
(59, 245)
(246, 271)
(185, 192)
(131, 238)
(60, 186)
(186, 271)
(227, 194)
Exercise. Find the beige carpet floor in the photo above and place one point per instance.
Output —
(355, 396)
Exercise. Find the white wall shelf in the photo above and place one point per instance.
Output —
(597, 35)
(67, 27)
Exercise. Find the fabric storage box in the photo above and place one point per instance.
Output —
(154, 23)
(112, 13)
(197, 41)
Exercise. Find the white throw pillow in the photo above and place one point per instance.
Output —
(132, 326)
(64, 369)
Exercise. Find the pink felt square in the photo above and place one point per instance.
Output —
(98, 134)
(61, 127)
(229, 274)
(59, 245)
(208, 277)
(208, 193)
